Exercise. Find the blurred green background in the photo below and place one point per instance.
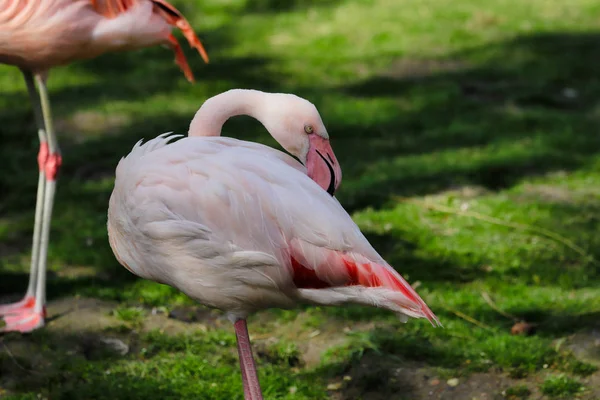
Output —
(468, 136)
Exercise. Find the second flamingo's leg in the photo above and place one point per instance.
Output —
(249, 376)
(28, 302)
(34, 318)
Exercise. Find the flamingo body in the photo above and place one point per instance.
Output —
(240, 227)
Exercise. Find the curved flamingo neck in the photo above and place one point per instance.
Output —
(213, 114)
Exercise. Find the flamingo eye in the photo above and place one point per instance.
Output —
(308, 129)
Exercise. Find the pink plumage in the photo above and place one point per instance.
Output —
(37, 35)
(242, 227)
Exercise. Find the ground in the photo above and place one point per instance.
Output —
(468, 137)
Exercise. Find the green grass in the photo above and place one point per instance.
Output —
(454, 105)
(130, 315)
(561, 386)
(518, 392)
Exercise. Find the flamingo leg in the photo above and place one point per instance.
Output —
(28, 301)
(31, 315)
(249, 376)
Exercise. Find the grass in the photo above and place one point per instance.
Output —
(130, 315)
(518, 392)
(465, 110)
(561, 386)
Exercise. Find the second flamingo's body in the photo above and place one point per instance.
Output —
(242, 227)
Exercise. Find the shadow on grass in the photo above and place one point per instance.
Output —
(84, 373)
(85, 365)
(275, 6)
(73, 366)
(555, 325)
(379, 378)
(524, 109)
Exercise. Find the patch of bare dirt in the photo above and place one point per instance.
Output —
(374, 378)
(85, 314)
(83, 124)
(483, 19)
(585, 346)
(549, 193)
(80, 314)
(192, 314)
(560, 195)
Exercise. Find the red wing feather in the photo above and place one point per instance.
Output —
(306, 278)
(335, 269)
(112, 8)
(364, 274)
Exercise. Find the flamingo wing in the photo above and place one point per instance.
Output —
(40, 34)
(112, 9)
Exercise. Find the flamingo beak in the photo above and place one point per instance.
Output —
(322, 165)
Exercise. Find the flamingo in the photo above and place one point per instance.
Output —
(37, 35)
(242, 227)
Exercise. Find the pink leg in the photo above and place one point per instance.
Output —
(249, 376)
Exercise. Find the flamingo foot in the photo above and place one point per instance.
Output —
(22, 306)
(24, 322)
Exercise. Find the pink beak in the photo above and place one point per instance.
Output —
(322, 165)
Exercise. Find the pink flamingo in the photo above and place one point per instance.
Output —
(36, 35)
(241, 227)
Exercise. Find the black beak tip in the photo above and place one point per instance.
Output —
(331, 187)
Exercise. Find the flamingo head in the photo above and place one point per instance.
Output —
(297, 125)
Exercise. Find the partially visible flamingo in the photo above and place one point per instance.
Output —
(241, 227)
(37, 35)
